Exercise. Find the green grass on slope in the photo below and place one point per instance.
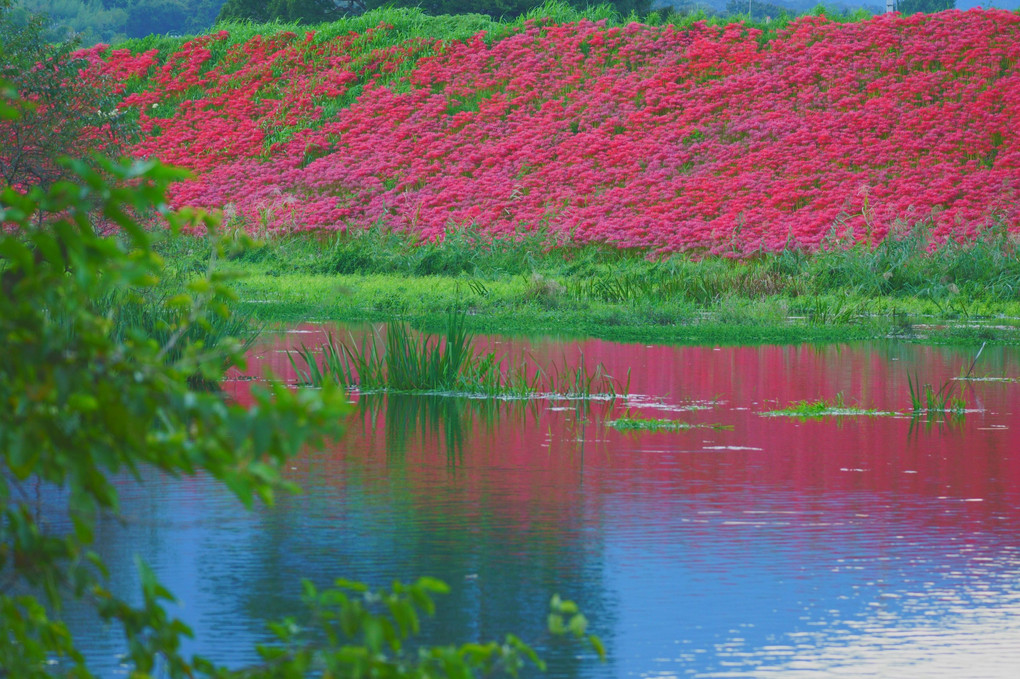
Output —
(410, 23)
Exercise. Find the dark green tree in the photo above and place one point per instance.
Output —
(924, 6)
(253, 10)
(145, 17)
(312, 11)
(57, 113)
(301, 11)
(499, 8)
(94, 21)
(759, 10)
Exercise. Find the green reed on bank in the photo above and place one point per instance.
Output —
(406, 361)
(953, 276)
(173, 329)
(909, 264)
(536, 283)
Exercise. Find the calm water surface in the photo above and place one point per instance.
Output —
(857, 546)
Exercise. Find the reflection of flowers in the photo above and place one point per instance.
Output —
(640, 136)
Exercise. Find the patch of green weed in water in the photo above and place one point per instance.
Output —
(654, 425)
(822, 408)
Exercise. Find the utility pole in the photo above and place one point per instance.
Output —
(890, 6)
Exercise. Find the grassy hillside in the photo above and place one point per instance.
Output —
(731, 139)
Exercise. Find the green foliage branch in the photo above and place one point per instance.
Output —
(83, 401)
(359, 632)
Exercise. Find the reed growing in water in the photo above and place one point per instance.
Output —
(406, 361)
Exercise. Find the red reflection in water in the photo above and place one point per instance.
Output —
(545, 451)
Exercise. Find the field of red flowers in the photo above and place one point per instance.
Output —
(703, 138)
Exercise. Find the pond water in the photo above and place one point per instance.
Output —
(862, 546)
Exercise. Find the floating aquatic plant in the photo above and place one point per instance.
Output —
(822, 408)
(641, 424)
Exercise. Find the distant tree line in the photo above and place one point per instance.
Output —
(313, 11)
(92, 21)
(925, 6)
(758, 10)
(304, 11)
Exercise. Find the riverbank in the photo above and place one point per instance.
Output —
(953, 294)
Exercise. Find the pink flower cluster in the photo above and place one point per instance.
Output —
(706, 139)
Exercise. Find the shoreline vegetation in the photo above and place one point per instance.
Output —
(213, 105)
(872, 236)
(804, 210)
(903, 288)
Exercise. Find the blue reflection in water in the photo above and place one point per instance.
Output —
(781, 548)
(774, 589)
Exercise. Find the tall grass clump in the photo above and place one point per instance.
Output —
(924, 398)
(409, 362)
(909, 265)
(912, 263)
(406, 362)
(578, 382)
